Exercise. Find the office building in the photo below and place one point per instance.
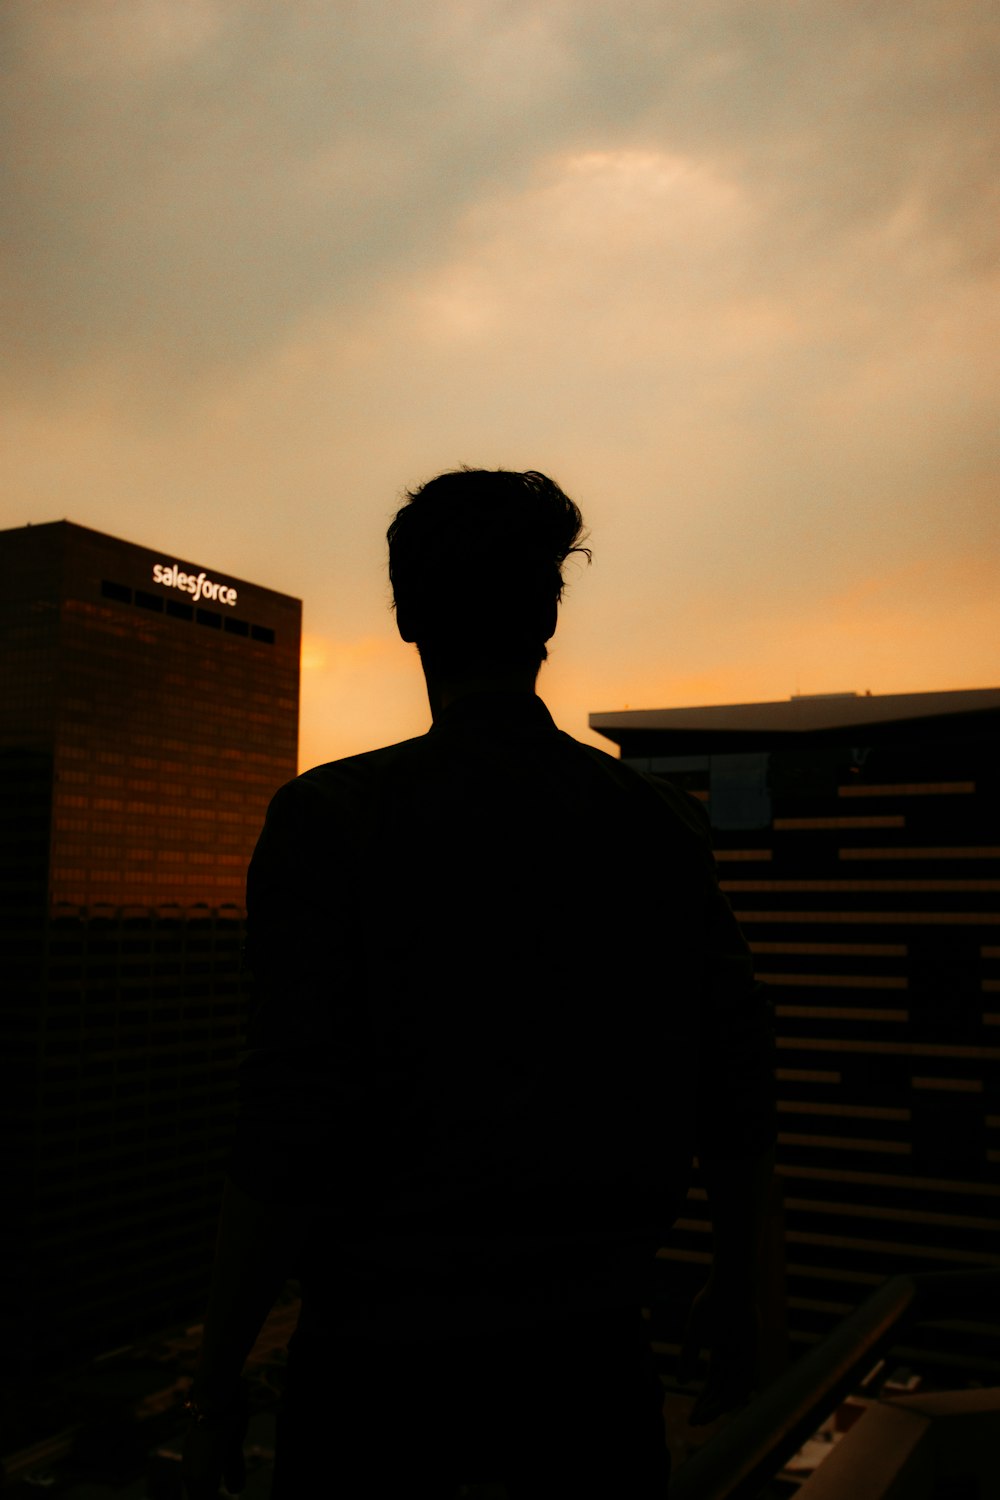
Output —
(858, 840)
(149, 711)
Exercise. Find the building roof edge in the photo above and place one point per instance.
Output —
(800, 714)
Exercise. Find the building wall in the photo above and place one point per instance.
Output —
(171, 722)
(867, 881)
(121, 1040)
(142, 734)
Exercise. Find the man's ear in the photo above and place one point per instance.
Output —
(551, 620)
(405, 625)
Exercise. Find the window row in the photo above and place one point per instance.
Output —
(177, 610)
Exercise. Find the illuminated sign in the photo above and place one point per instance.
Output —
(190, 583)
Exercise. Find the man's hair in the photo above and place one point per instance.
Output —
(475, 564)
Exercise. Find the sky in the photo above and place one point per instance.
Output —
(727, 271)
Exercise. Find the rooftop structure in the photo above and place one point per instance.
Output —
(830, 714)
(858, 840)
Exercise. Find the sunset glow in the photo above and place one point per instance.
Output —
(728, 274)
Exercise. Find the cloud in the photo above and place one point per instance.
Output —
(114, 38)
(189, 179)
(228, 169)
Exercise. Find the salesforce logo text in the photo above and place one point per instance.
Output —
(200, 586)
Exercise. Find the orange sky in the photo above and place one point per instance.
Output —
(728, 273)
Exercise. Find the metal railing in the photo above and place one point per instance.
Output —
(749, 1451)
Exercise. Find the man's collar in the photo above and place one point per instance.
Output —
(491, 707)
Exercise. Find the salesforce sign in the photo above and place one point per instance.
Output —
(190, 583)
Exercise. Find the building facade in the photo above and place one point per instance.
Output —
(149, 712)
(858, 840)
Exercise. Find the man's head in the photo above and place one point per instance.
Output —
(475, 563)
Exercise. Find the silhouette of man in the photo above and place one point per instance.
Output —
(501, 1003)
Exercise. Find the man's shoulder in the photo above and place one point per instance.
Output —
(365, 765)
(346, 786)
(331, 802)
(657, 796)
(346, 779)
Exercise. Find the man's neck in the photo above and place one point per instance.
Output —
(443, 692)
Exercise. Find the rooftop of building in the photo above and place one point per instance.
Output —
(802, 714)
(55, 537)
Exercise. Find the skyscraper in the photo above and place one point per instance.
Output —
(858, 839)
(149, 711)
